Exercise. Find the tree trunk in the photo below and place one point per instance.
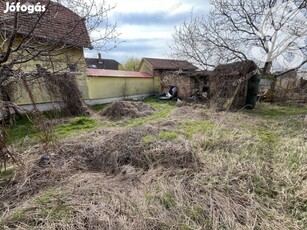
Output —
(6, 98)
(266, 73)
(267, 69)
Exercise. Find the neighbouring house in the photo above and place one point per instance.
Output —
(106, 86)
(59, 36)
(168, 72)
(101, 63)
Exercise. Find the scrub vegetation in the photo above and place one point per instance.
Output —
(183, 167)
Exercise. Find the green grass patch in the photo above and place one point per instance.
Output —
(192, 127)
(295, 160)
(56, 212)
(274, 111)
(7, 174)
(163, 110)
(149, 198)
(266, 135)
(25, 128)
(18, 215)
(263, 187)
(75, 125)
(168, 135)
(46, 197)
(148, 139)
(213, 143)
(197, 214)
(168, 200)
(52, 206)
(22, 129)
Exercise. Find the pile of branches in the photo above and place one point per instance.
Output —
(127, 109)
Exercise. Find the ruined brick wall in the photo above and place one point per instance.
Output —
(184, 84)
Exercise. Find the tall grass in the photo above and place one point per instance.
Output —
(226, 170)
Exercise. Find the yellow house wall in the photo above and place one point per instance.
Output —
(91, 87)
(157, 84)
(145, 67)
(21, 96)
(111, 87)
(56, 63)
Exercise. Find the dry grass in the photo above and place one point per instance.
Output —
(127, 109)
(205, 171)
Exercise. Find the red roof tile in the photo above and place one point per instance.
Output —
(115, 73)
(58, 24)
(169, 64)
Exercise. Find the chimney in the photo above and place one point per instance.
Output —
(99, 58)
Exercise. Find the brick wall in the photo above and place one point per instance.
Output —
(184, 84)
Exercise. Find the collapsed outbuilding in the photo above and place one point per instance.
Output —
(229, 86)
(235, 86)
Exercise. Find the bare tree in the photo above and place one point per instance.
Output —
(271, 32)
(46, 34)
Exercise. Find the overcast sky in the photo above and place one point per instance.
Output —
(146, 26)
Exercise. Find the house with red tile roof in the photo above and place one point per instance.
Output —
(57, 24)
(52, 39)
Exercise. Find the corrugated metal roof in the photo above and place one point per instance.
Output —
(115, 73)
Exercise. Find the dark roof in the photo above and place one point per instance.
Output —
(57, 24)
(104, 64)
(169, 64)
(236, 68)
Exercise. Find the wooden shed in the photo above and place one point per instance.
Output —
(234, 86)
